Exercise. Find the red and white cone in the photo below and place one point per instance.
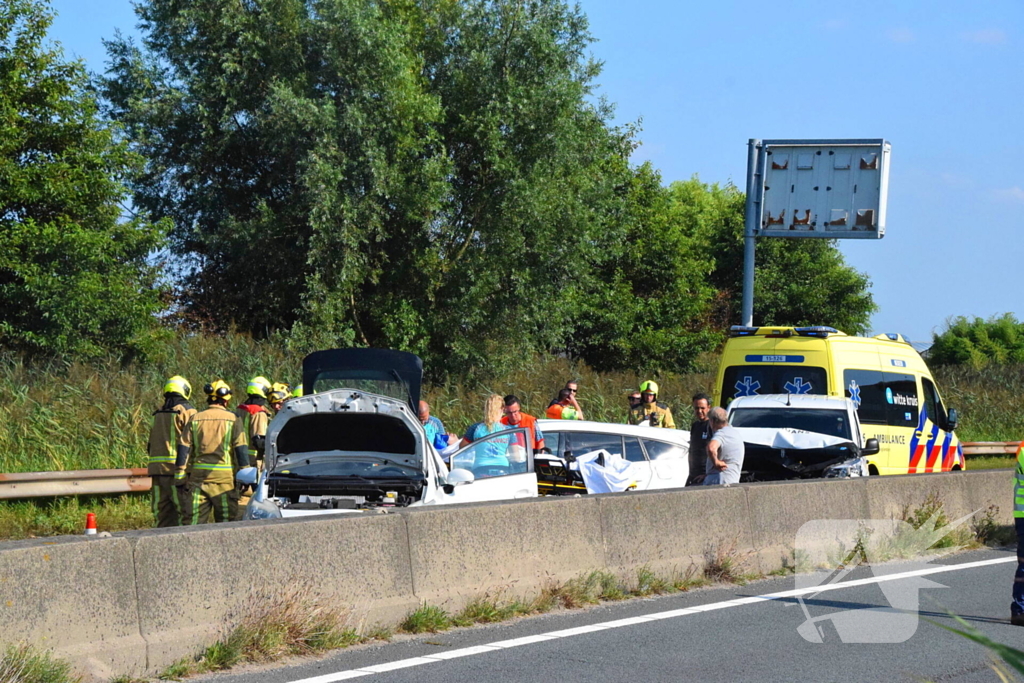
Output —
(90, 524)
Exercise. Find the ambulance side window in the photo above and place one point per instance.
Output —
(901, 399)
(932, 404)
(866, 388)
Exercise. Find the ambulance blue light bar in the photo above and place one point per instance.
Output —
(817, 331)
(742, 331)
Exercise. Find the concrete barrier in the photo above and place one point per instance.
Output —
(76, 598)
(779, 510)
(460, 552)
(194, 583)
(670, 530)
(135, 603)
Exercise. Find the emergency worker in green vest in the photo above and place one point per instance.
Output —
(651, 411)
(213, 446)
(1017, 606)
(255, 414)
(164, 437)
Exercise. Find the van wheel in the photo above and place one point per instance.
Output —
(872, 470)
(956, 468)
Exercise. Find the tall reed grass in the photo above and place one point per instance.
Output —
(68, 416)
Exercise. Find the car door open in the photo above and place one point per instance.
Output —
(496, 467)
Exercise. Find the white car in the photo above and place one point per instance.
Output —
(800, 436)
(354, 443)
(642, 458)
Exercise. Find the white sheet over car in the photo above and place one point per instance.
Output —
(788, 438)
(617, 474)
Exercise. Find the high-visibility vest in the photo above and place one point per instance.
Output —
(1018, 485)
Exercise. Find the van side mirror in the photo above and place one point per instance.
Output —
(870, 447)
(952, 420)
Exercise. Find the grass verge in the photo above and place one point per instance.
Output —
(66, 515)
(278, 629)
(25, 664)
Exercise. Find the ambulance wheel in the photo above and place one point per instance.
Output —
(872, 470)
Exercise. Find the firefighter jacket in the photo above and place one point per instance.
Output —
(213, 445)
(1018, 486)
(165, 435)
(656, 414)
(255, 416)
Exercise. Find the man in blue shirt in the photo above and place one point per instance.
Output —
(433, 427)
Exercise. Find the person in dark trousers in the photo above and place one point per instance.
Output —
(164, 437)
(1017, 606)
(700, 434)
(212, 444)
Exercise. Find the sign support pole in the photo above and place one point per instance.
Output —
(752, 214)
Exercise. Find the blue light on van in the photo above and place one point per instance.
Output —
(816, 331)
(742, 331)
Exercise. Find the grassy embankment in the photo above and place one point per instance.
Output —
(96, 415)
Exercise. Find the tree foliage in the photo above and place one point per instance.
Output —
(977, 342)
(73, 273)
(437, 176)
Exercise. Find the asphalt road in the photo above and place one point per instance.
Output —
(722, 634)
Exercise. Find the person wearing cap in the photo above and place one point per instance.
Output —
(255, 414)
(213, 444)
(164, 436)
(650, 411)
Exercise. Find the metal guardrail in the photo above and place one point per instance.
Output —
(73, 483)
(136, 480)
(972, 448)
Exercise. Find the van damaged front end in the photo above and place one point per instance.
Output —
(775, 454)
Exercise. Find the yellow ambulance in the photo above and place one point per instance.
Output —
(886, 378)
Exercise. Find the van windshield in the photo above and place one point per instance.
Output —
(757, 380)
(817, 420)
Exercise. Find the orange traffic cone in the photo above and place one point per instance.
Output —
(90, 524)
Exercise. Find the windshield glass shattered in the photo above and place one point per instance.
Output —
(370, 381)
(819, 421)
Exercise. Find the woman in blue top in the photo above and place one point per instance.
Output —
(492, 454)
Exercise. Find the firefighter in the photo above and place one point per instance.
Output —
(279, 393)
(212, 444)
(651, 411)
(255, 415)
(164, 437)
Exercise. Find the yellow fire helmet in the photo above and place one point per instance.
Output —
(178, 385)
(279, 392)
(258, 386)
(650, 386)
(218, 390)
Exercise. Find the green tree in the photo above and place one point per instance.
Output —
(428, 175)
(977, 342)
(654, 308)
(796, 281)
(74, 278)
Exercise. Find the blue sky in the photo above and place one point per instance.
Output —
(939, 80)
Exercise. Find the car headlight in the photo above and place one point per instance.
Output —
(262, 509)
(851, 468)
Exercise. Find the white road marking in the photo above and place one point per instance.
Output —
(631, 621)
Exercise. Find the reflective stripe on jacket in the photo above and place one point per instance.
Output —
(212, 436)
(1018, 484)
(164, 437)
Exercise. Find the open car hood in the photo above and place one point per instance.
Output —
(347, 423)
(397, 374)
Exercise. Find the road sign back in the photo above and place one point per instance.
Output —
(834, 189)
